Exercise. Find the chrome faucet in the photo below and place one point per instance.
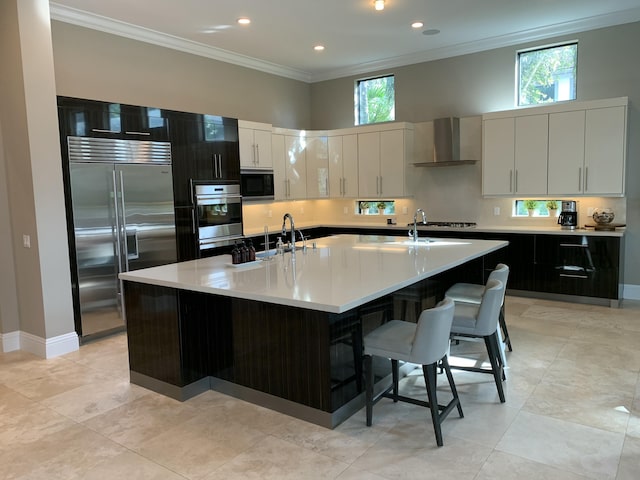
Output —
(414, 233)
(293, 230)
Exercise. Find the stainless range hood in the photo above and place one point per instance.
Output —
(446, 144)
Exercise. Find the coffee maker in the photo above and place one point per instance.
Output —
(568, 218)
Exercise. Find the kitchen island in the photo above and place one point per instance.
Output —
(287, 332)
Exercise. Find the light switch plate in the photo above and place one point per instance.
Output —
(496, 211)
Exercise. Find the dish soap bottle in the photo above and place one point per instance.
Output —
(235, 255)
(279, 246)
(252, 251)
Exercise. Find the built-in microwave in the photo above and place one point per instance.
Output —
(256, 184)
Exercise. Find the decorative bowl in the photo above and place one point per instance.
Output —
(602, 216)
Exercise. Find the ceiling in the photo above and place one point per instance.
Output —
(357, 39)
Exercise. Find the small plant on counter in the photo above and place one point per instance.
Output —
(364, 208)
(552, 205)
(530, 205)
(381, 206)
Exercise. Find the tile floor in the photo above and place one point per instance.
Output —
(572, 412)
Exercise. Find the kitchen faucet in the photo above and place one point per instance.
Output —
(414, 233)
(293, 230)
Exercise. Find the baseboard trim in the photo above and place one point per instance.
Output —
(10, 341)
(631, 292)
(49, 347)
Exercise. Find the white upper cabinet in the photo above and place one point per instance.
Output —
(289, 169)
(255, 145)
(382, 156)
(605, 151)
(575, 148)
(531, 155)
(515, 156)
(317, 166)
(343, 166)
(566, 153)
(498, 156)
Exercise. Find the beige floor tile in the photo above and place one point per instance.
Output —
(579, 449)
(129, 465)
(274, 458)
(502, 466)
(630, 460)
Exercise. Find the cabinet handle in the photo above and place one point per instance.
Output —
(220, 165)
(138, 133)
(326, 186)
(586, 179)
(257, 154)
(102, 130)
(516, 182)
(193, 220)
(572, 276)
(344, 186)
(380, 184)
(579, 179)
(510, 181)
(214, 160)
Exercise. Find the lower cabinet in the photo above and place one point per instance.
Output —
(581, 265)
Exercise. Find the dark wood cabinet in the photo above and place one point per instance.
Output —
(92, 118)
(205, 149)
(581, 265)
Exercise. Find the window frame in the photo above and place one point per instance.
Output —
(357, 94)
(538, 49)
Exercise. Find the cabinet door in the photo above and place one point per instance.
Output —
(605, 137)
(317, 166)
(247, 148)
(531, 151)
(295, 166)
(391, 164)
(368, 164)
(498, 156)
(350, 166)
(336, 161)
(280, 185)
(262, 140)
(566, 153)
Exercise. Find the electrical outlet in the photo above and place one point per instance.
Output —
(26, 241)
(496, 211)
(590, 211)
(346, 210)
(269, 213)
(405, 210)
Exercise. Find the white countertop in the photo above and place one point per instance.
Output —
(343, 272)
(545, 230)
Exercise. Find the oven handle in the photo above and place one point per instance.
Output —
(216, 199)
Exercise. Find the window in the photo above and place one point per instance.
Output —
(547, 74)
(375, 207)
(536, 208)
(375, 100)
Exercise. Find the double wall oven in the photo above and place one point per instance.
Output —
(217, 214)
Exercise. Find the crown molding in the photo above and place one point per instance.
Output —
(532, 35)
(115, 27)
(134, 32)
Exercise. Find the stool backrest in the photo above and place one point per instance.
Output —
(489, 311)
(431, 340)
(501, 272)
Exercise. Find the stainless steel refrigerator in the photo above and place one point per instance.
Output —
(123, 219)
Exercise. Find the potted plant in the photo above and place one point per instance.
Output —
(552, 206)
(381, 206)
(530, 205)
(364, 208)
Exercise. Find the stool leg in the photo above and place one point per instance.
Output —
(505, 332)
(368, 371)
(395, 374)
(491, 341)
(430, 379)
(454, 390)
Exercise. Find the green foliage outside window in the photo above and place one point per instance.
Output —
(375, 100)
(547, 74)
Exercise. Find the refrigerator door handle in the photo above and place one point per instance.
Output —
(123, 228)
(116, 211)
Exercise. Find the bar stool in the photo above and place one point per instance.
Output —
(481, 321)
(472, 293)
(425, 343)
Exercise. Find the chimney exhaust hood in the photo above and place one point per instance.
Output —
(446, 144)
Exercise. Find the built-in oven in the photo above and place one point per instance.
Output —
(257, 184)
(217, 214)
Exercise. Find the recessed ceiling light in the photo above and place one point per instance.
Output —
(417, 25)
(244, 21)
(378, 5)
(431, 31)
(318, 48)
